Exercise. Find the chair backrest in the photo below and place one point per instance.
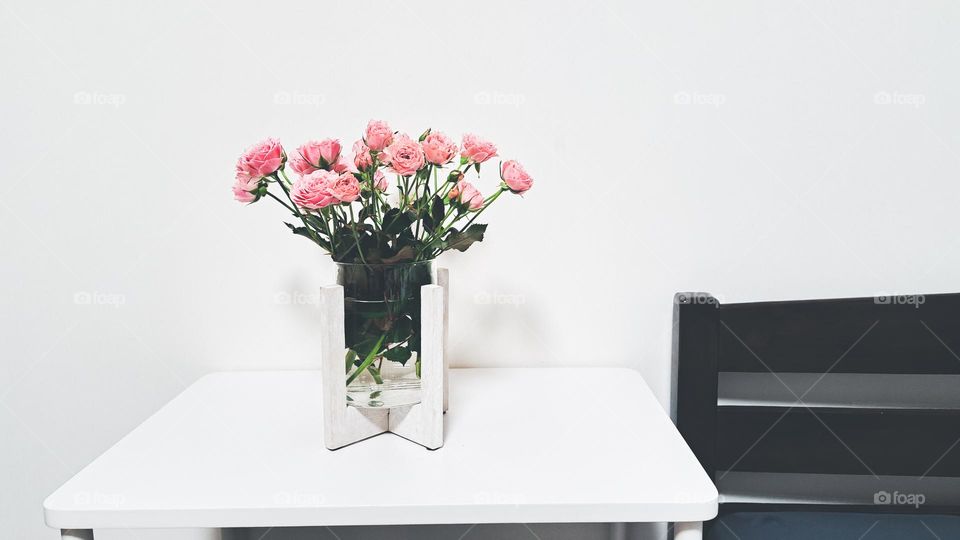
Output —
(849, 404)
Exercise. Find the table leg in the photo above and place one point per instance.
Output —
(76, 534)
(692, 530)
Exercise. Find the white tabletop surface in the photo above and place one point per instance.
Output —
(245, 449)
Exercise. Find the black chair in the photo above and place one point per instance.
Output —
(824, 418)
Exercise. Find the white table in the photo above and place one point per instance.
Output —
(245, 449)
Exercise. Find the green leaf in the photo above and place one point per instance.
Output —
(347, 246)
(437, 210)
(305, 232)
(350, 359)
(398, 354)
(367, 347)
(366, 361)
(406, 253)
(400, 329)
(396, 220)
(461, 241)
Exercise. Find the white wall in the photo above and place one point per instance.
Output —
(742, 148)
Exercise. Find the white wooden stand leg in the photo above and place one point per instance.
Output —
(342, 425)
(76, 534)
(422, 422)
(443, 280)
(692, 530)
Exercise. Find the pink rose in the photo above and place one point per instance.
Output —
(241, 194)
(404, 155)
(345, 188)
(243, 177)
(361, 155)
(471, 197)
(477, 150)
(343, 165)
(302, 166)
(312, 191)
(315, 155)
(329, 150)
(438, 148)
(380, 182)
(515, 177)
(245, 185)
(467, 194)
(378, 135)
(262, 159)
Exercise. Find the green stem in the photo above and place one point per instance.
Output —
(284, 175)
(378, 204)
(488, 202)
(279, 200)
(326, 229)
(426, 190)
(356, 238)
(286, 191)
(375, 373)
(366, 361)
(375, 199)
(439, 231)
(406, 192)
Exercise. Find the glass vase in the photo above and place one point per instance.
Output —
(382, 327)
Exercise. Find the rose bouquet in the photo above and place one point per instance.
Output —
(382, 234)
